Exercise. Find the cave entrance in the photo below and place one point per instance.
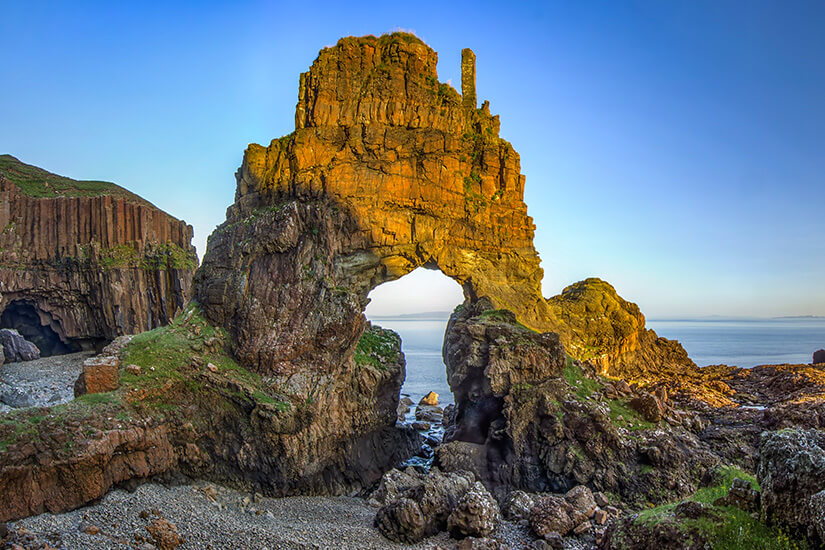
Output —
(417, 307)
(36, 326)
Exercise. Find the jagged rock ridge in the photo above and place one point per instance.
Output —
(83, 262)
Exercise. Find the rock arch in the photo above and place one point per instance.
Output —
(388, 170)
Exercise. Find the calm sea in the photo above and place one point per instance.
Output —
(744, 343)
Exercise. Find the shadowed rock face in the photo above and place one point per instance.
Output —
(386, 171)
(84, 262)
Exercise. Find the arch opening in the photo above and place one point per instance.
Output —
(38, 327)
(417, 306)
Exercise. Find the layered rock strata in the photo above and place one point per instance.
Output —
(83, 262)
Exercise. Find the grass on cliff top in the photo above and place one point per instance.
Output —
(377, 347)
(735, 529)
(165, 355)
(39, 183)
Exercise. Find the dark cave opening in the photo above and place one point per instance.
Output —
(28, 321)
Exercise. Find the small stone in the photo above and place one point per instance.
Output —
(133, 369)
(421, 426)
(613, 511)
(89, 528)
(601, 499)
(600, 517)
(582, 528)
(212, 367)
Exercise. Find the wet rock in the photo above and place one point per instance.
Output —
(819, 357)
(421, 426)
(429, 413)
(16, 348)
(429, 400)
(476, 514)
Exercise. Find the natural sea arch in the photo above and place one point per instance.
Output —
(388, 170)
(417, 307)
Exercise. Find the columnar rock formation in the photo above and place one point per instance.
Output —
(83, 262)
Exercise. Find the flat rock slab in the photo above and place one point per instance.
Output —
(40, 383)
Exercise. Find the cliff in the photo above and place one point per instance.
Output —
(82, 262)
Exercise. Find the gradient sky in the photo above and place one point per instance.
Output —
(675, 149)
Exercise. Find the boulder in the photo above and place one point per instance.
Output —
(418, 505)
(581, 498)
(16, 348)
(553, 514)
(165, 534)
(741, 495)
(429, 413)
(100, 374)
(476, 515)
(16, 397)
(649, 406)
(402, 521)
(517, 506)
(430, 400)
(819, 357)
(791, 471)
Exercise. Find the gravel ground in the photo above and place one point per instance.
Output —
(208, 516)
(40, 383)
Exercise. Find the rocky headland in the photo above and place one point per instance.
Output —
(574, 425)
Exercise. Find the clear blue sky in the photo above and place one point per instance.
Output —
(676, 149)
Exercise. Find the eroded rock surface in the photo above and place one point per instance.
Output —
(83, 262)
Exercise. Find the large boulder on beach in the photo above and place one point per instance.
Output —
(16, 348)
(417, 505)
(819, 357)
(476, 515)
